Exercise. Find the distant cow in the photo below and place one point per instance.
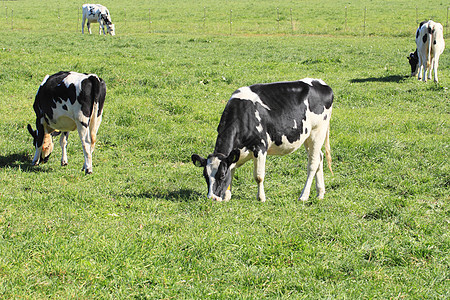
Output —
(96, 13)
(430, 45)
(68, 101)
(270, 119)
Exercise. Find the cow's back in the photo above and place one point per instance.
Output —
(278, 113)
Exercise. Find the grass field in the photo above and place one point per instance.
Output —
(141, 226)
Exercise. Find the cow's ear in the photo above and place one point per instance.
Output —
(233, 157)
(31, 131)
(198, 160)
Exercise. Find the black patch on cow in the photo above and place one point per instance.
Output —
(286, 102)
(84, 124)
(424, 38)
(306, 130)
(324, 118)
(64, 107)
(434, 42)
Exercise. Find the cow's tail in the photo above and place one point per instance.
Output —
(430, 42)
(328, 149)
(98, 96)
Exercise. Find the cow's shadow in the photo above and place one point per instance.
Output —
(182, 195)
(18, 161)
(390, 78)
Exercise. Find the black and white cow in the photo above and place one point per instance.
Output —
(270, 119)
(430, 45)
(96, 13)
(68, 101)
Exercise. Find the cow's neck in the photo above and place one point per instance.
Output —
(226, 142)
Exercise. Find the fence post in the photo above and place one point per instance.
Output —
(278, 19)
(204, 18)
(365, 11)
(231, 21)
(448, 8)
(345, 23)
(292, 23)
(149, 20)
(417, 16)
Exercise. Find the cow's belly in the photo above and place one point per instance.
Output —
(286, 147)
(63, 123)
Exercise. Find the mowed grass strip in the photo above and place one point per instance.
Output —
(141, 226)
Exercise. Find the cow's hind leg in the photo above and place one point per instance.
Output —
(435, 67)
(313, 145)
(85, 138)
(63, 142)
(89, 27)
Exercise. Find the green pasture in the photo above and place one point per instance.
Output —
(141, 227)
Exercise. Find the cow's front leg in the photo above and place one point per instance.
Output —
(82, 25)
(37, 156)
(85, 138)
(259, 172)
(228, 191)
(63, 142)
(424, 72)
(101, 26)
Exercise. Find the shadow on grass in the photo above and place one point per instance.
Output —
(18, 161)
(182, 195)
(390, 78)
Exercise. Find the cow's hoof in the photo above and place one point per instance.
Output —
(63, 163)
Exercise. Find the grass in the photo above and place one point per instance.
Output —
(141, 226)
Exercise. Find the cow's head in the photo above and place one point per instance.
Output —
(413, 59)
(217, 173)
(111, 29)
(43, 144)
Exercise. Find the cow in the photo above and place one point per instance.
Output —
(430, 45)
(270, 119)
(96, 13)
(67, 101)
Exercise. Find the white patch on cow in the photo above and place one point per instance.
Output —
(309, 81)
(286, 147)
(263, 142)
(245, 93)
(75, 79)
(257, 116)
(295, 124)
(259, 128)
(63, 120)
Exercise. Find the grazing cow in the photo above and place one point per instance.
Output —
(270, 119)
(430, 45)
(68, 101)
(96, 13)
